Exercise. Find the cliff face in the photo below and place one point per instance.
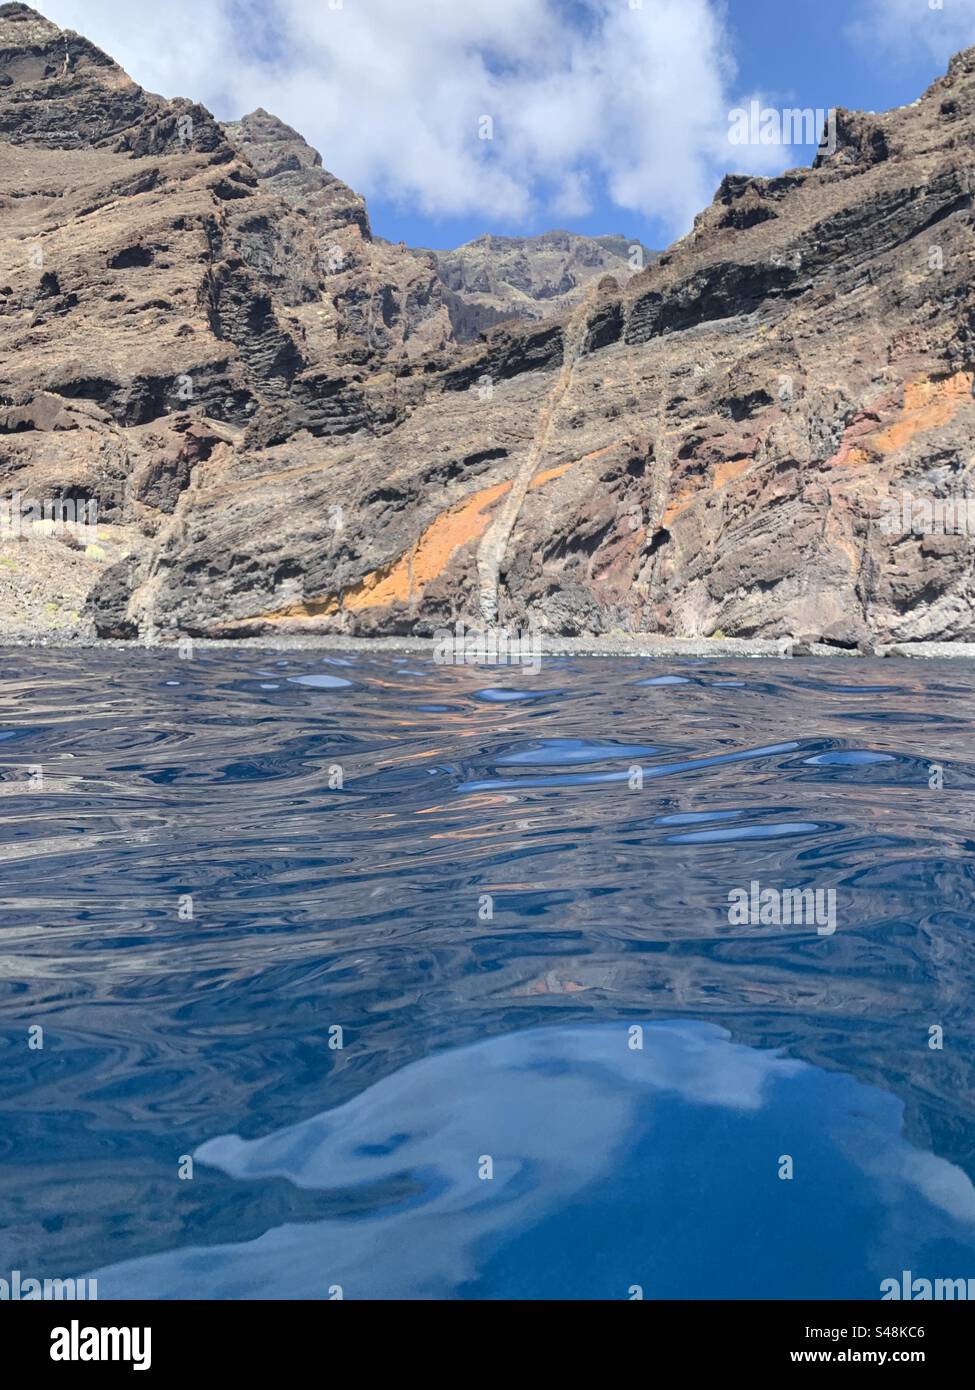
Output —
(198, 330)
(384, 299)
(495, 278)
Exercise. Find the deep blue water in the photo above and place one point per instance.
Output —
(340, 826)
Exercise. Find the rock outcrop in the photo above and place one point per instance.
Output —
(497, 278)
(385, 297)
(281, 432)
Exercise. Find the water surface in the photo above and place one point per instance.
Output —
(563, 1071)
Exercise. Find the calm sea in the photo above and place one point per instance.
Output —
(365, 977)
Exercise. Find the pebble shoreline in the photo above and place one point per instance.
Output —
(664, 648)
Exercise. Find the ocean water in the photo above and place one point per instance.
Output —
(365, 977)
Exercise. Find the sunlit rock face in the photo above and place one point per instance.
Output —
(283, 433)
(496, 278)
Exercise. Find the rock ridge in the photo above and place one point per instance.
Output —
(284, 435)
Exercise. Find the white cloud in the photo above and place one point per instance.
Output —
(902, 27)
(632, 99)
(573, 197)
(626, 104)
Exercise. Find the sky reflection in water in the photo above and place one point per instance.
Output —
(317, 905)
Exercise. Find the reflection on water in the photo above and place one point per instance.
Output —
(612, 1166)
(480, 894)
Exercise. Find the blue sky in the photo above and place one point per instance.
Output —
(798, 54)
(604, 115)
(802, 61)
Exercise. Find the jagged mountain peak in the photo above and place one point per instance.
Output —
(288, 164)
(260, 127)
(23, 27)
(493, 278)
(33, 47)
(59, 91)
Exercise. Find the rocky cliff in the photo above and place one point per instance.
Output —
(496, 278)
(282, 433)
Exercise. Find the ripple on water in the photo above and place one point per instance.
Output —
(496, 695)
(558, 752)
(650, 773)
(848, 757)
(482, 895)
(697, 817)
(320, 681)
(774, 831)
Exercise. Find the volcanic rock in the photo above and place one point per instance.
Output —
(496, 278)
(283, 434)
